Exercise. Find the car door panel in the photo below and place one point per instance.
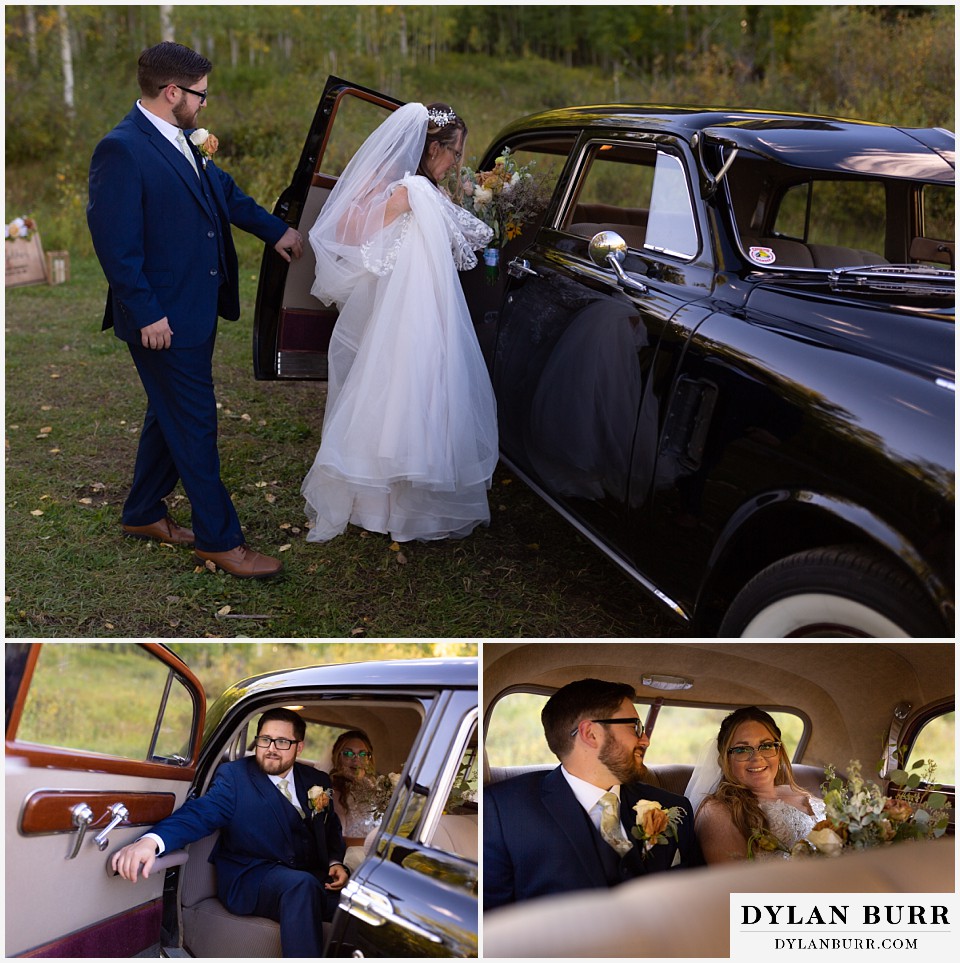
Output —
(62, 898)
(389, 907)
(291, 327)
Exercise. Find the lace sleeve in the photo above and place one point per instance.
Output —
(379, 254)
(467, 234)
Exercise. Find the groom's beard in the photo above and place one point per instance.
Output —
(625, 765)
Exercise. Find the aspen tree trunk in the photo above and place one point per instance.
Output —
(32, 36)
(166, 21)
(66, 59)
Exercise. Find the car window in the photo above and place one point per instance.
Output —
(613, 192)
(672, 228)
(846, 213)
(356, 119)
(112, 698)
(515, 734)
(936, 741)
(939, 211)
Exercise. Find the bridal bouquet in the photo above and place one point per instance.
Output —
(860, 816)
(374, 792)
(504, 198)
(655, 824)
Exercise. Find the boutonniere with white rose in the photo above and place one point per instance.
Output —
(206, 143)
(655, 824)
(319, 799)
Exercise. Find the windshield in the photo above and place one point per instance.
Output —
(791, 218)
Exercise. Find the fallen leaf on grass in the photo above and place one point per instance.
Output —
(395, 547)
(359, 630)
(224, 611)
(210, 566)
(270, 498)
(401, 558)
(245, 418)
(260, 484)
(285, 525)
(284, 548)
(54, 451)
(36, 511)
(86, 501)
(46, 407)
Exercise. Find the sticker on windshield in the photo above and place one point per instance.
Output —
(762, 255)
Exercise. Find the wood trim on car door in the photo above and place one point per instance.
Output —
(48, 811)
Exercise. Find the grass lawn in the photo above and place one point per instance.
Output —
(74, 409)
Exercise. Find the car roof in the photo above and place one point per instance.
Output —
(390, 673)
(800, 140)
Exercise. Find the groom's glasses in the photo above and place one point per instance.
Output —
(636, 723)
(766, 749)
(282, 744)
(202, 94)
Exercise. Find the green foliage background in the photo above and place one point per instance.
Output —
(891, 64)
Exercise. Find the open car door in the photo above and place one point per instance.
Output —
(291, 328)
(102, 742)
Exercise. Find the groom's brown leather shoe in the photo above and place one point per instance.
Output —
(166, 530)
(242, 561)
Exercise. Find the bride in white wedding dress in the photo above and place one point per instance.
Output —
(745, 785)
(409, 438)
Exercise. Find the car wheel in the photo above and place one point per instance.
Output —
(830, 592)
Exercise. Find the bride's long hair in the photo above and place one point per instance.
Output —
(743, 805)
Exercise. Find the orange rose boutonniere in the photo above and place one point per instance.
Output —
(655, 824)
(318, 798)
(206, 143)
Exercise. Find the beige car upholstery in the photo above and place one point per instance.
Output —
(652, 918)
(673, 778)
(458, 834)
(208, 929)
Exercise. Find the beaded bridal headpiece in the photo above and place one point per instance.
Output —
(440, 118)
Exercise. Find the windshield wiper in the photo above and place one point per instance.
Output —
(898, 278)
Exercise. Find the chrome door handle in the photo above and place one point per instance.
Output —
(376, 909)
(82, 817)
(119, 813)
(519, 267)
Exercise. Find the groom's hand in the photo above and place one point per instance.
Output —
(157, 335)
(290, 244)
(127, 861)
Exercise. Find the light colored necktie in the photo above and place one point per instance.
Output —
(284, 787)
(185, 149)
(611, 829)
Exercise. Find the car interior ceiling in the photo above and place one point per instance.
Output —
(848, 691)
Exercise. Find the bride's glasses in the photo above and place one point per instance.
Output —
(362, 754)
(766, 749)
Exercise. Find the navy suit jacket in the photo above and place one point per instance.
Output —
(537, 839)
(162, 234)
(259, 830)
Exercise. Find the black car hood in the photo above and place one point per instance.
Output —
(914, 333)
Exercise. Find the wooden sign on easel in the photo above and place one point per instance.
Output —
(25, 261)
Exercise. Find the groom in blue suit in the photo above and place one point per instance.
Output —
(160, 213)
(545, 832)
(280, 849)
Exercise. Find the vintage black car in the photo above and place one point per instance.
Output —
(725, 353)
(104, 740)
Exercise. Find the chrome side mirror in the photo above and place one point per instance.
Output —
(609, 249)
(605, 245)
